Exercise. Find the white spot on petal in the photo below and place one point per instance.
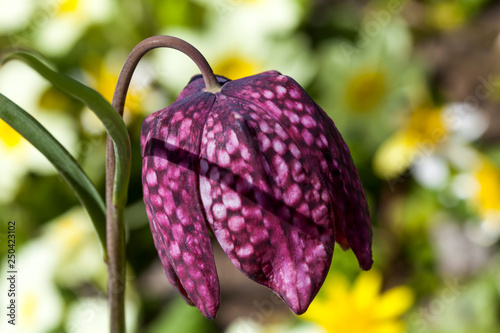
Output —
(236, 223)
(268, 94)
(273, 108)
(211, 151)
(176, 117)
(308, 137)
(259, 235)
(281, 170)
(205, 189)
(308, 121)
(319, 213)
(245, 251)
(184, 130)
(160, 163)
(231, 200)
(219, 211)
(244, 152)
(178, 232)
(281, 91)
(156, 200)
(188, 258)
(223, 158)
(292, 195)
(292, 116)
(263, 141)
(232, 143)
(264, 127)
(224, 238)
(174, 250)
(294, 150)
(279, 146)
(278, 129)
(217, 128)
(151, 178)
(172, 142)
(294, 93)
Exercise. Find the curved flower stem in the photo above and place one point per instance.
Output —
(150, 43)
(115, 229)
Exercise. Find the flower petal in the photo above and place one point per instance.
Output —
(265, 203)
(318, 139)
(163, 254)
(170, 145)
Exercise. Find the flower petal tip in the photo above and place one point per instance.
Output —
(365, 260)
(366, 266)
(301, 310)
(210, 314)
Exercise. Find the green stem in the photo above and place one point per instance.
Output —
(114, 198)
(211, 84)
(115, 128)
(116, 256)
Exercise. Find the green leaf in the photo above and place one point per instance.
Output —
(111, 120)
(69, 169)
(180, 318)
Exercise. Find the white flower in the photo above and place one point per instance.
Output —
(260, 17)
(431, 171)
(464, 186)
(24, 87)
(39, 304)
(73, 241)
(464, 121)
(14, 13)
(91, 315)
(234, 55)
(67, 20)
(241, 38)
(250, 325)
(68, 253)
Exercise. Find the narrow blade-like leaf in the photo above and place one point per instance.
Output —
(62, 160)
(111, 120)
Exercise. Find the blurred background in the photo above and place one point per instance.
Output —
(413, 86)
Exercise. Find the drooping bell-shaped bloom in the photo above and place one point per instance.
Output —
(265, 169)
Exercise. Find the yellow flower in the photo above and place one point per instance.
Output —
(236, 66)
(360, 308)
(8, 135)
(420, 137)
(104, 74)
(68, 6)
(446, 15)
(487, 198)
(366, 89)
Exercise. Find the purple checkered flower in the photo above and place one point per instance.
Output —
(262, 167)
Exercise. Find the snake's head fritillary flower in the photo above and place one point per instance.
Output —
(262, 167)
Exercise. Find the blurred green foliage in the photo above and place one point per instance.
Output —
(391, 74)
